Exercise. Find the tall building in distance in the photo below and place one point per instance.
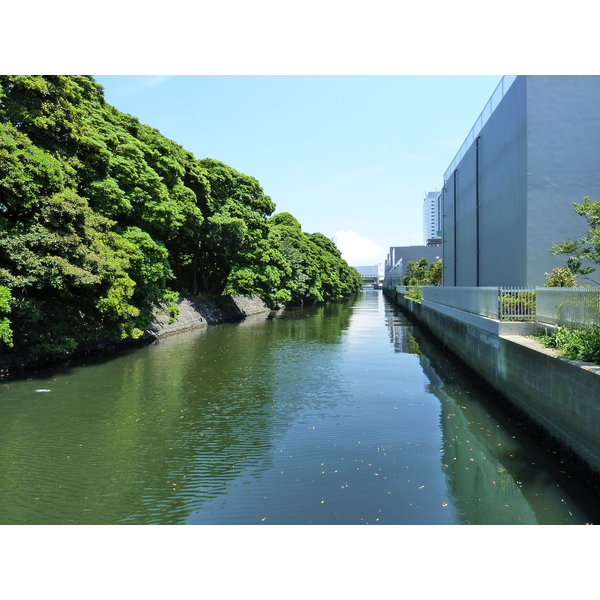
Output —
(432, 222)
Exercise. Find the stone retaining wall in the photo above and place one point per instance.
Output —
(200, 311)
(196, 312)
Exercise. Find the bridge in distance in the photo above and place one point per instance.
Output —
(369, 274)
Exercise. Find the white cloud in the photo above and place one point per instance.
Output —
(358, 251)
(142, 83)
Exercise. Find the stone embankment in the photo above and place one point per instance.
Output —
(198, 311)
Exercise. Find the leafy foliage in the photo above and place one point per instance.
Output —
(561, 277)
(414, 293)
(576, 344)
(317, 271)
(103, 220)
(423, 272)
(519, 306)
(5, 330)
(586, 248)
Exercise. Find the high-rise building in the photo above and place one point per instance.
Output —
(432, 224)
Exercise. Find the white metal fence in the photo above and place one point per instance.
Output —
(568, 307)
(502, 303)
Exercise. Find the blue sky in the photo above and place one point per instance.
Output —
(349, 156)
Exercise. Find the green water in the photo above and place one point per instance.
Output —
(338, 414)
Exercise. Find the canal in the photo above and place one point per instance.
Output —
(338, 414)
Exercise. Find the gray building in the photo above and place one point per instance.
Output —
(398, 258)
(509, 192)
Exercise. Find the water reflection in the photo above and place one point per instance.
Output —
(498, 472)
(345, 413)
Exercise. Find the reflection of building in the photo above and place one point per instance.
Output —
(475, 454)
(432, 224)
(398, 258)
(400, 335)
(509, 192)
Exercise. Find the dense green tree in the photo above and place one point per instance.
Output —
(318, 272)
(64, 261)
(237, 253)
(5, 328)
(103, 221)
(295, 246)
(337, 278)
(435, 272)
(423, 272)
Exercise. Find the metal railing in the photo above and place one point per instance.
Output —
(569, 307)
(502, 303)
(516, 304)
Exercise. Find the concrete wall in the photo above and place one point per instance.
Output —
(503, 192)
(561, 396)
(511, 194)
(563, 166)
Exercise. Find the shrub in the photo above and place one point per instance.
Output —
(576, 344)
(414, 293)
(516, 307)
(561, 277)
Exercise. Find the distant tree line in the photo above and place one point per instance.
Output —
(103, 221)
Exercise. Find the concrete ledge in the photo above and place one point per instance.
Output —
(484, 323)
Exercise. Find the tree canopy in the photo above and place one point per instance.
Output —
(423, 272)
(103, 220)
